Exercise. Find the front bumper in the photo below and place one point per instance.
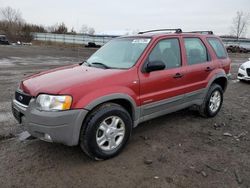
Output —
(60, 127)
(242, 75)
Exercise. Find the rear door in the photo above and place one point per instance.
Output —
(164, 88)
(199, 64)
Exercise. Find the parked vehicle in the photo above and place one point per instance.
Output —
(92, 45)
(244, 71)
(129, 80)
(4, 40)
(237, 49)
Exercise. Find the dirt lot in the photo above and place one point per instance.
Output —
(185, 149)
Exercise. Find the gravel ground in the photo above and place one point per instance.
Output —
(181, 149)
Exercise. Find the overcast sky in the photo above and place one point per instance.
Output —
(108, 15)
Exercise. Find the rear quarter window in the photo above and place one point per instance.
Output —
(217, 47)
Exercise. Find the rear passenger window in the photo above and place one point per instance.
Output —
(168, 52)
(196, 52)
(218, 47)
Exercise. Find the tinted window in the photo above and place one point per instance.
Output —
(167, 51)
(218, 47)
(196, 52)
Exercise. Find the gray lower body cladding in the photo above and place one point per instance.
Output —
(159, 108)
(62, 127)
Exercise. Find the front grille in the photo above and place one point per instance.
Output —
(248, 71)
(23, 98)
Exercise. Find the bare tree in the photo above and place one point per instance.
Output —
(58, 28)
(240, 24)
(52, 28)
(84, 29)
(72, 31)
(12, 23)
(61, 29)
(11, 15)
(87, 30)
(91, 31)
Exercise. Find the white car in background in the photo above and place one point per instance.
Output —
(244, 71)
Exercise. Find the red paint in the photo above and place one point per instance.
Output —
(86, 84)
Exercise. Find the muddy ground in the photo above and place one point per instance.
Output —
(183, 149)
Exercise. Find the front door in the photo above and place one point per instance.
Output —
(164, 88)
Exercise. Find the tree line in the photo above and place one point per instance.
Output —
(14, 26)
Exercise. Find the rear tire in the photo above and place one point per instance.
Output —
(213, 101)
(106, 131)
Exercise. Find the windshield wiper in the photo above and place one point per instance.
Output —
(103, 65)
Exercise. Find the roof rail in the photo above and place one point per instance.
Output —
(202, 32)
(156, 30)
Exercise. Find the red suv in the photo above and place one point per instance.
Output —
(128, 81)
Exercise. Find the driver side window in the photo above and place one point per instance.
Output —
(168, 52)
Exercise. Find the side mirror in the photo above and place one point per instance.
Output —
(155, 66)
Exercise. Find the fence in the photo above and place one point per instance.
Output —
(245, 43)
(73, 39)
(102, 39)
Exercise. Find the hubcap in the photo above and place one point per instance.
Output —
(110, 133)
(215, 101)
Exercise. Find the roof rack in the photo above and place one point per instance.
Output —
(202, 32)
(156, 30)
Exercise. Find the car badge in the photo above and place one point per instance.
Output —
(20, 98)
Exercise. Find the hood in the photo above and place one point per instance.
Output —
(56, 81)
(246, 64)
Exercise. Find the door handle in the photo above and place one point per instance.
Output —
(178, 75)
(208, 69)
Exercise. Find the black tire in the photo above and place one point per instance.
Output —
(205, 109)
(88, 141)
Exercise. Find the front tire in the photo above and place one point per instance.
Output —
(213, 101)
(106, 131)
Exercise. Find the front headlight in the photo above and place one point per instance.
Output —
(242, 67)
(53, 102)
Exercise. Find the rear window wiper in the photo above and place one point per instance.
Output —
(101, 64)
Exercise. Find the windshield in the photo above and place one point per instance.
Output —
(119, 53)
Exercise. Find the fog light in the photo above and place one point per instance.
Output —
(47, 137)
(240, 75)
